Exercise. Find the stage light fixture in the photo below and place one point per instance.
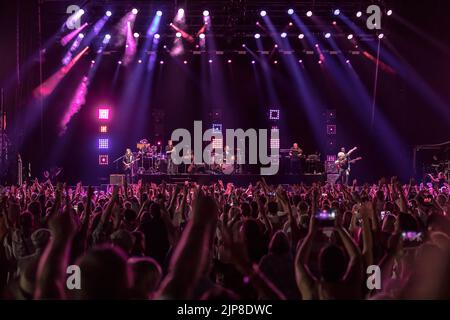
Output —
(263, 13)
(253, 62)
(103, 160)
(257, 36)
(136, 35)
(140, 61)
(81, 35)
(284, 35)
(337, 12)
(180, 13)
(103, 144)
(300, 61)
(359, 14)
(108, 13)
(290, 11)
(178, 34)
(206, 13)
(201, 36)
(108, 37)
(103, 129)
(161, 62)
(157, 36)
(82, 12)
(229, 61)
(290, 24)
(347, 61)
(134, 11)
(381, 36)
(301, 36)
(389, 12)
(185, 62)
(92, 61)
(159, 13)
(350, 37)
(120, 62)
(274, 114)
(327, 35)
(210, 61)
(309, 13)
(275, 62)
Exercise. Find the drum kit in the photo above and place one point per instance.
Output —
(150, 158)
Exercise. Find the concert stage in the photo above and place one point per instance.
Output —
(239, 180)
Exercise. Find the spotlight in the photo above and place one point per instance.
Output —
(201, 36)
(92, 61)
(300, 61)
(120, 62)
(301, 36)
(81, 35)
(359, 14)
(140, 61)
(350, 37)
(309, 13)
(381, 36)
(290, 11)
(185, 62)
(159, 13)
(320, 61)
(389, 12)
(206, 13)
(327, 35)
(263, 13)
(178, 34)
(284, 35)
(253, 62)
(337, 12)
(134, 11)
(161, 62)
(180, 12)
(82, 12)
(136, 35)
(275, 62)
(347, 61)
(229, 61)
(290, 24)
(108, 13)
(157, 36)
(276, 46)
(210, 61)
(243, 45)
(108, 37)
(257, 36)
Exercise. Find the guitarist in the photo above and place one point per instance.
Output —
(343, 163)
(295, 155)
(128, 165)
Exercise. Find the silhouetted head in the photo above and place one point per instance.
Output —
(332, 263)
(104, 274)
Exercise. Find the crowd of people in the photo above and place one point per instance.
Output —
(209, 242)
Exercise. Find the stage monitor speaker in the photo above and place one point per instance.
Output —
(331, 178)
(331, 167)
(117, 179)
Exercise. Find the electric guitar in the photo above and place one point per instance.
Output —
(127, 166)
(340, 163)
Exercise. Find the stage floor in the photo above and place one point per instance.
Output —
(239, 180)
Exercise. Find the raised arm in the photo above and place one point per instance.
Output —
(192, 251)
(53, 263)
